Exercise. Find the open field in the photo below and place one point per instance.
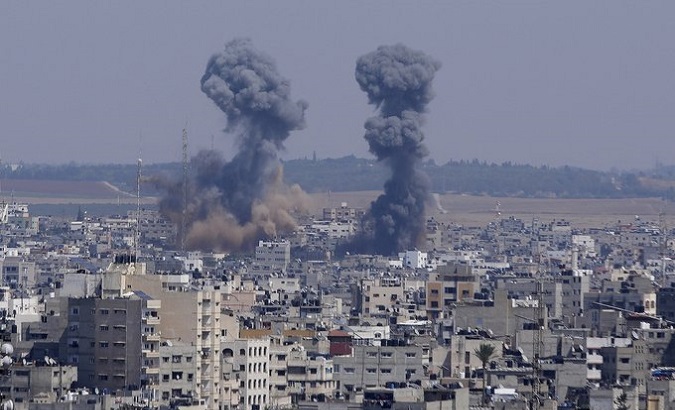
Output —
(462, 209)
(63, 192)
(480, 210)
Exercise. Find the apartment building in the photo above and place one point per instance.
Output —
(251, 360)
(375, 366)
(272, 255)
(448, 285)
(104, 341)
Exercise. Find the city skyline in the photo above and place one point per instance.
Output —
(571, 83)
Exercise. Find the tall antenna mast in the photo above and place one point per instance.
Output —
(137, 234)
(664, 247)
(538, 332)
(185, 189)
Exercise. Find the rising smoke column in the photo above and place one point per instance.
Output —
(233, 204)
(397, 80)
(245, 85)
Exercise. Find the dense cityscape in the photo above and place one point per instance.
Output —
(218, 283)
(109, 312)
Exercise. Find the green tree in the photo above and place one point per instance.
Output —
(621, 402)
(484, 353)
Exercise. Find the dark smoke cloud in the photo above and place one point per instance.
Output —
(398, 81)
(397, 78)
(233, 204)
(245, 85)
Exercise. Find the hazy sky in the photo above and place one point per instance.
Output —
(584, 83)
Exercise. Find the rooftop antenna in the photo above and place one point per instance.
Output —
(185, 189)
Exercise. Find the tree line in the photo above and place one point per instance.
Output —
(357, 174)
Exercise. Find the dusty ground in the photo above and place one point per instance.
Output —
(463, 209)
(479, 210)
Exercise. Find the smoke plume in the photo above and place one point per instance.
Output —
(233, 204)
(397, 80)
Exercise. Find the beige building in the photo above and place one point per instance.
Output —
(193, 318)
(448, 285)
(378, 296)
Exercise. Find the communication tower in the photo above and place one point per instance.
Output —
(539, 321)
(137, 234)
(185, 190)
(663, 247)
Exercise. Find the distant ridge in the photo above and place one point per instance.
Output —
(352, 174)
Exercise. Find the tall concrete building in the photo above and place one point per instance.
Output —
(104, 339)
(193, 318)
(250, 358)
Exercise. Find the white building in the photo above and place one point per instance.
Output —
(273, 255)
(414, 259)
(251, 359)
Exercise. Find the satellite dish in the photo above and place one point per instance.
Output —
(8, 405)
(53, 362)
(23, 361)
(6, 361)
(47, 360)
(6, 349)
(96, 391)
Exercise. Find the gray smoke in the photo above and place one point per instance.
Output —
(233, 204)
(397, 80)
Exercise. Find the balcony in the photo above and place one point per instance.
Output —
(594, 358)
(594, 374)
(151, 320)
(150, 370)
(151, 337)
(147, 353)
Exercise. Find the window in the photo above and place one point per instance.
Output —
(105, 311)
(103, 344)
(103, 328)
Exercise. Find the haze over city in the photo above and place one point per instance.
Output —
(563, 83)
